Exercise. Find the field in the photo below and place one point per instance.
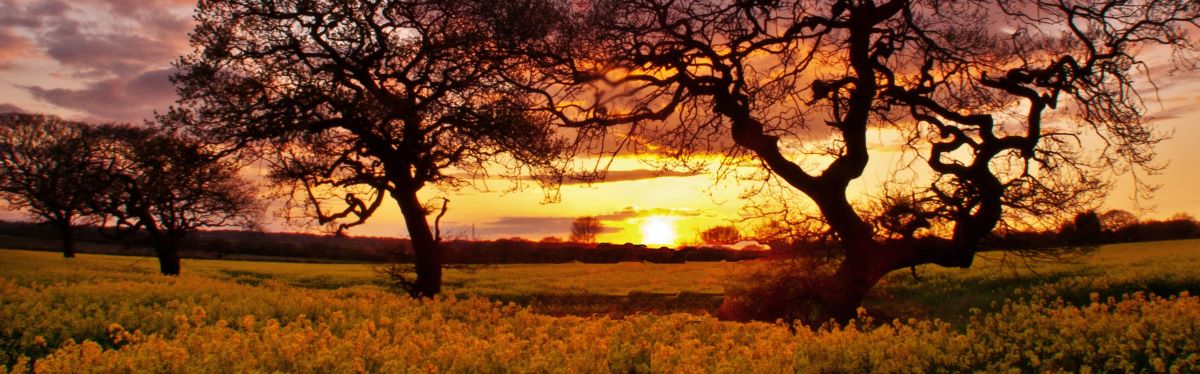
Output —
(1129, 307)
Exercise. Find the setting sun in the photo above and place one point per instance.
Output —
(658, 230)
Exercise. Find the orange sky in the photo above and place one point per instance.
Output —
(108, 60)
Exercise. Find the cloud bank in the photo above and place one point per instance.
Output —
(110, 59)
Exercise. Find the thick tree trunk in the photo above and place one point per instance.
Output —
(167, 251)
(67, 234)
(426, 250)
(847, 288)
(867, 263)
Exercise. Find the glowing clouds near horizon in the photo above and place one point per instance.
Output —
(659, 230)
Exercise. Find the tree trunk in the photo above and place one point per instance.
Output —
(868, 262)
(426, 250)
(846, 289)
(67, 234)
(167, 251)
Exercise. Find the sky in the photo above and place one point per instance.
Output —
(109, 60)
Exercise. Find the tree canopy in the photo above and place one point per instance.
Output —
(168, 186)
(585, 229)
(721, 235)
(352, 102)
(51, 169)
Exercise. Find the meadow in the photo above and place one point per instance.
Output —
(1128, 307)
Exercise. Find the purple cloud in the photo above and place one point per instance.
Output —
(121, 99)
(9, 108)
(105, 55)
(120, 50)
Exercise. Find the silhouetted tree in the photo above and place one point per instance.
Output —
(51, 169)
(352, 102)
(1085, 229)
(800, 84)
(169, 186)
(585, 229)
(719, 235)
(1115, 219)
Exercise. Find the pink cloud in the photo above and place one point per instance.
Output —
(14, 46)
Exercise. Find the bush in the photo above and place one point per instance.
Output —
(787, 290)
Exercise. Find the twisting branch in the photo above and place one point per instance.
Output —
(437, 222)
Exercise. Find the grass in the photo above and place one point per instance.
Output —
(1163, 268)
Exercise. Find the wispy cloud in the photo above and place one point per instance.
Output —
(532, 227)
(540, 226)
(632, 212)
(634, 175)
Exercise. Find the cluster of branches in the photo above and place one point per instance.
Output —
(122, 178)
(994, 101)
(352, 101)
(584, 230)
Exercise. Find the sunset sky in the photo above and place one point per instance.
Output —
(109, 60)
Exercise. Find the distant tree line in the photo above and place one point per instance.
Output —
(1119, 226)
(318, 247)
(515, 251)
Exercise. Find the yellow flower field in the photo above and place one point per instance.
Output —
(110, 314)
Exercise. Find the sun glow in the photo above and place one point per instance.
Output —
(658, 230)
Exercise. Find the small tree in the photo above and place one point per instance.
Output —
(1085, 229)
(50, 169)
(585, 229)
(1117, 219)
(719, 235)
(170, 186)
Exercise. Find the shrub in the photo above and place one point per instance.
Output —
(787, 290)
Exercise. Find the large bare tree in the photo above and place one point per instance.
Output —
(352, 102)
(51, 169)
(1007, 109)
(169, 186)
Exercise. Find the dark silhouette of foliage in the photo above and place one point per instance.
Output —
(1084, 230)
(797, 86)
(786, 289)
(169, 186)
(719, 235)
(353, 102)
(51, 169)
(1116, 219)
(585, 229)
